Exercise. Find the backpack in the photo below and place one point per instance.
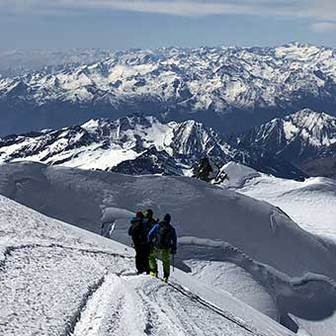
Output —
(150, 223)
(138, 232)
(164, 236)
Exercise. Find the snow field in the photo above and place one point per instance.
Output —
(311, 204)
(215, 226)
(85, 285)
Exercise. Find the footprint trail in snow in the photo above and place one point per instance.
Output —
(140, 305)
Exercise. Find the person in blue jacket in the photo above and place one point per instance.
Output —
(162, 238)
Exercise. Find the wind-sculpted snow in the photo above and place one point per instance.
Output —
(312, 296)
(311, 203)
(253, 235)
(199, 209)
(56, 279)
(219, 86)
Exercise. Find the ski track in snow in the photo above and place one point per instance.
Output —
(7, 250)
(139, 305)
(106, 303)
(44, 288)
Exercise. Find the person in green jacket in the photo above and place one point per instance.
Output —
(164, 243)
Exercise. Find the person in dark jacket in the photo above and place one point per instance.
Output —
(203, 170)
(149, 219)
(139, 232)
(164, 243)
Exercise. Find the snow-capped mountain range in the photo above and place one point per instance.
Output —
(230, 89)
(306, 138)
(299, 145)
(257, 266)
(17, 62)
(136, 145)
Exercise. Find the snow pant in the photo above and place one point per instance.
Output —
(164, 254)
(142, 258)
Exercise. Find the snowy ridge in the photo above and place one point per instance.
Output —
(252, 236)
(212, 84)
(318, 129)
(302, 138)
(281, 288)
(83, 293)
(135, 145)
(102, 144)
(310, 203)
(312, 128)
(92, 192)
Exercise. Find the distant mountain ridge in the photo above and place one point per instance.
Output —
(19, 62)
(229, 89)
(306, 138)
(136, 145)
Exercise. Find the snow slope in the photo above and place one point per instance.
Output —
(311, 204)
(215, 226)
(64, 193)
(60, 280)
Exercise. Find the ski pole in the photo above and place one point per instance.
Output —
(173, 262)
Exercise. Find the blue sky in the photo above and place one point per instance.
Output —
(30, 24)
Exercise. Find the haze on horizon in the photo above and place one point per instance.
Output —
(114, 24)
